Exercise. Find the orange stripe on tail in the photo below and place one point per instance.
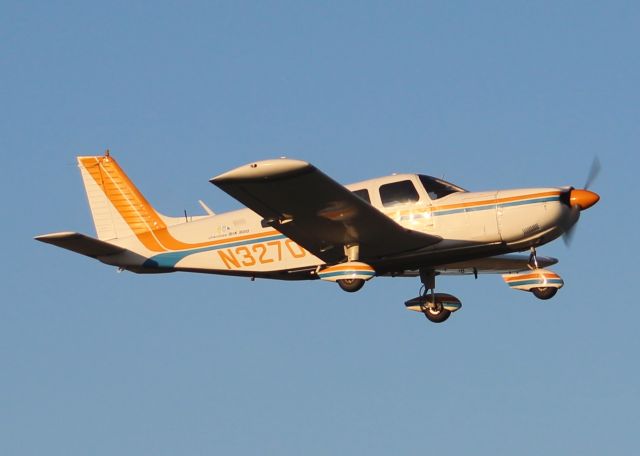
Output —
(126, 198)
(138, 214)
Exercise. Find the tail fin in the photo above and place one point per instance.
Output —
(117, 206)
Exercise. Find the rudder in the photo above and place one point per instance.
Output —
(117, 206)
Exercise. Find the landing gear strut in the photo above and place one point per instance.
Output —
(540, 292)
(533, 259)
(437, 307)
(430, 306)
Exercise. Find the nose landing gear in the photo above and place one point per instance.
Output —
(544, 284)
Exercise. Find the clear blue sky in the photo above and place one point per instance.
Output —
(487, 94)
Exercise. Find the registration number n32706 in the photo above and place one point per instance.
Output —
(260, 253)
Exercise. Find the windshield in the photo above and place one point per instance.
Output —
(437, 188)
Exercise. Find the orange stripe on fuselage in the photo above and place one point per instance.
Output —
(469, 204)
(151, 230)
(494, 201)
(143, 220)
(523, 197)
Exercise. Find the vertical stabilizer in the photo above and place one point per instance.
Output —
(117, 206)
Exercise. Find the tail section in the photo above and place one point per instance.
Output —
(117, 206)
(129, 230)
(100, 250)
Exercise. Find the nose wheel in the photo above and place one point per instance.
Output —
(542, 283)
(544, 292)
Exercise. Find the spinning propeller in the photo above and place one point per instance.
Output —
(581, 199)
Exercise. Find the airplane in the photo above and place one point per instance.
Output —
(299, 224)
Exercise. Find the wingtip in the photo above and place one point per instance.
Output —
(265, 169)
(547, 261)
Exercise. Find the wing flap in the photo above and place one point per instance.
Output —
(317, 212)
(80, 243)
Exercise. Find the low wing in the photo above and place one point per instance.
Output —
(317, 212)
(501, 264)
(80, 243)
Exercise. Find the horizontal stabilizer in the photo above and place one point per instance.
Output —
(80, 243)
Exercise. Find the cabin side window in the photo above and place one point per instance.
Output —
(363, 195)
(401, 192)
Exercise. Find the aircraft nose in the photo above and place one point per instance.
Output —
(583, 199)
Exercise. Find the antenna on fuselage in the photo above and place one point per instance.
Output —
(206, 208)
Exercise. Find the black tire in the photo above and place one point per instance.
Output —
(437, 314)
(544, 292)
(351, 285)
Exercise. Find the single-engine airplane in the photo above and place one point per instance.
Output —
(300, 224)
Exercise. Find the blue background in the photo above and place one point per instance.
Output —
(487, 94)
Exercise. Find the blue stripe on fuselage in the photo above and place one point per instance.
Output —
(537, 200)
(493, 205)
(170, 259)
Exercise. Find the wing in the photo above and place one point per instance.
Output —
(501, 264)
(315, 211)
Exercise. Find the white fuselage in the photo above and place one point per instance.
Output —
(470, 224)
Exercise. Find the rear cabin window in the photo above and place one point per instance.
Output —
(363, 195)
(402, 192)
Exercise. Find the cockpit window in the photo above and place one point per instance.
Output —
(437, 188)
(401, 192)
(363, 194)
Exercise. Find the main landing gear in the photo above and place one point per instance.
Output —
(436, 307)
(350, 275)
(350, 285)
